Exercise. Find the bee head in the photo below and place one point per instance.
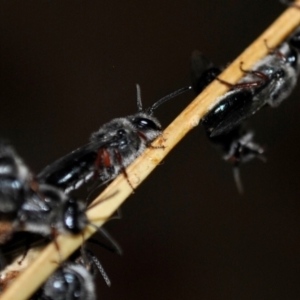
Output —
(74, 218)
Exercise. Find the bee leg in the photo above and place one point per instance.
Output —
(253, 72)
(149, 145)
(161, 140)
(123, 170)
(262, 79)
(230, 85)
(54, 238)
(234, 157)
(276, 51)
(27, 248)
(102, 160)
(241, 85)
(237, 179)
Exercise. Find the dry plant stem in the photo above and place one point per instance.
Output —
(30, 279)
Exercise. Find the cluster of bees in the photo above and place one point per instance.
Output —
(35, 209)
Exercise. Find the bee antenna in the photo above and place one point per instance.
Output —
(99, 266)
(139, 97)
(103, 245)
(166, 98)
(101, 200)
(112, 241)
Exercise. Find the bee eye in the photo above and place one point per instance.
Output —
(121, 132)
(142, 123)
(71, 215)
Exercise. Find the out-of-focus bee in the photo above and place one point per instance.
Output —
(44, 210)
(74, 280)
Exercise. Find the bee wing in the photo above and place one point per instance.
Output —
(279, 89)
(20, 243)
(203, 71)
(69, 169)
(34, 203)
(236, 106)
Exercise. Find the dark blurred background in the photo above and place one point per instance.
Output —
(67, 67)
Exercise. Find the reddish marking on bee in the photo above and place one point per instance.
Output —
(103, 158)
(120, 161)
(106, 158)
(142, 136)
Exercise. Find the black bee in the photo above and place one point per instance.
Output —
(55, 213)
(111, 149)
(29, 206)
(26, 205)
(74, 280)
(269, 83)
(70, 282)
(237, 145)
